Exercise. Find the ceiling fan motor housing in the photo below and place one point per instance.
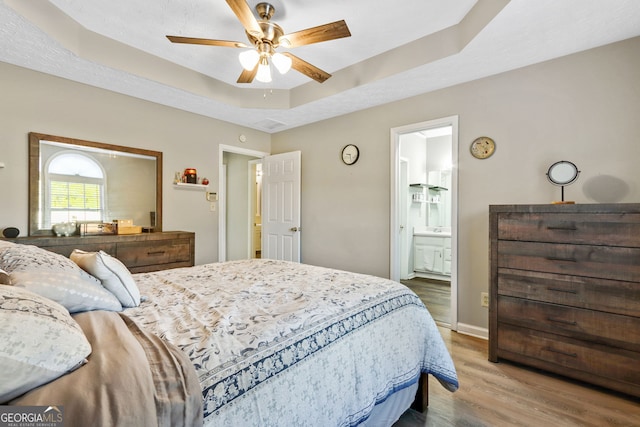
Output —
(272, 33)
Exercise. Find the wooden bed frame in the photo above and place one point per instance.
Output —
(421, 402)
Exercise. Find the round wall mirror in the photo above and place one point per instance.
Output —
(563, 173)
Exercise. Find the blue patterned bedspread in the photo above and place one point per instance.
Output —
(279, 343)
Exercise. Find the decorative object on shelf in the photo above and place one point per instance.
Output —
(563, 173)
(64, 229)
(418, 197)
(190, 176)
(205, 181)
(483, 147)
(350, 154)
(10, 232)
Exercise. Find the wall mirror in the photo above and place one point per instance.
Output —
(563, 173)
(72, 180)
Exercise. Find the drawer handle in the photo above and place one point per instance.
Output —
(564, 322)
(566, 291)
(551, 258)
(574, 228)
(564, 353)
(156, 253)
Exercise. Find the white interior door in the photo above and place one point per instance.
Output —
(281, 206)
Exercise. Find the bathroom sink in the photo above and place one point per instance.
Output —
(432, 231)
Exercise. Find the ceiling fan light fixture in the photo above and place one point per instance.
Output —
(249, 59)
(281, 62)
(264, 71)
(284, 42)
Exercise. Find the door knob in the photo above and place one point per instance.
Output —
(294, 229)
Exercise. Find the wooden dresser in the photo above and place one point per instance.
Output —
(565, 290)
(139, 252)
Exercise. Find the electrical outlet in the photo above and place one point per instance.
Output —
(484, 299)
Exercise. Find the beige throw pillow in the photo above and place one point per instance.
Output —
(113, 274)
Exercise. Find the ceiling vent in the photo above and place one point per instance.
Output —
(269, 124)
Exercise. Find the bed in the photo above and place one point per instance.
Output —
(252, 342)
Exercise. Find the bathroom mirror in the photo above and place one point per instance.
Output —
(72, 180)
(562, 173)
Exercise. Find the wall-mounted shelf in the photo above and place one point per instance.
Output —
(430, 187)
(186, 186)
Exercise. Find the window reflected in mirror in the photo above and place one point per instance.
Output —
(82, 181)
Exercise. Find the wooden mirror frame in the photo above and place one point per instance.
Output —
(34, 174)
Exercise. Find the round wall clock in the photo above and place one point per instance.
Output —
(350, 154)
(482, 147)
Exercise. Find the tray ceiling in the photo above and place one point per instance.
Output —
(393, 53)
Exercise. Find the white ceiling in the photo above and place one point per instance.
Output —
(394, 52)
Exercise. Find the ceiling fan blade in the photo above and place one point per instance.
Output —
(210, 42)
(332, 31)
(307, 69)
(244, 14)
(247, 76)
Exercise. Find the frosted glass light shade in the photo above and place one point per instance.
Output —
(249, 59)
(264, 72)
(282, 62)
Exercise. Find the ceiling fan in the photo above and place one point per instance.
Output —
(266, 36)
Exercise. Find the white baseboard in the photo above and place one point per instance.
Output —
(474, 331)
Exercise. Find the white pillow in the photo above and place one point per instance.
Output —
(113, 274)
(39, 342)
(55, 277)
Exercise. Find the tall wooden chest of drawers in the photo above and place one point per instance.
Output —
(565, 290)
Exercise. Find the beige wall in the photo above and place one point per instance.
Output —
(33, 101)
(584, 108)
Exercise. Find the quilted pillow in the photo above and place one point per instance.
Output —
(55, 277)
(39, 342)
(113, 274)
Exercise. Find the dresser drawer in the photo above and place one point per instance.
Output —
(604, 262)
(595, 326)
(140, 254)
(620, 229)
(614, 368)
(88, 247)
(610, 296)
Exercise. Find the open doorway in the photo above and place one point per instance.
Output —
(279, 204)
(255, 208)
(424, 213)
(236, 194)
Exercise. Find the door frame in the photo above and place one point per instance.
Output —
(395, 180)
(222, 193)
(253, 207)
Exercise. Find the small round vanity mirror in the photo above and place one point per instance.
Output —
(563, 173)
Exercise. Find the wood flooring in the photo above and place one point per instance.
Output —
(507, 394)
(436, 295)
